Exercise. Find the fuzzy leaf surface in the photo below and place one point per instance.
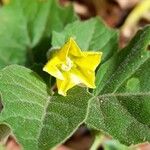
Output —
(36, 118)
(122, 103)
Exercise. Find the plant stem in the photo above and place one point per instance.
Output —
(99, 138)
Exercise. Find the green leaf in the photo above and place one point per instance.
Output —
(90, 35)
(38, 120)
(24, 24)
(122, 104)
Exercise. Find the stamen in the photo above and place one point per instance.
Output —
(68, 65)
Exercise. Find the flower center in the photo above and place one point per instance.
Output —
(68, 65)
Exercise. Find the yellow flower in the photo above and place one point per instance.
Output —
(71, 66)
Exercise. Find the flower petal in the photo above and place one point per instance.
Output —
(87, 77)
(90, 60)
(63, 52)
(51, 68)
(74, 48)
(66, 84)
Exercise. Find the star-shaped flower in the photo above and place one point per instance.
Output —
(71, 66)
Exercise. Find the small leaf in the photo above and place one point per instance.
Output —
(122, 104)
(89, 35)
(36, 118)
